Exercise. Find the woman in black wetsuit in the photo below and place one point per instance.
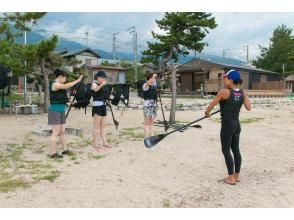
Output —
(231, 100)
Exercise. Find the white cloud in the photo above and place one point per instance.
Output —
(233, 33)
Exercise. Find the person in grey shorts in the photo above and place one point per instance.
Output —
(56, 110)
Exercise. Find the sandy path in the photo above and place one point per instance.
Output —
(181, 171)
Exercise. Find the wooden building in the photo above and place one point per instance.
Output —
(200, 76)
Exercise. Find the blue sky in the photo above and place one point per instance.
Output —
(234, 31)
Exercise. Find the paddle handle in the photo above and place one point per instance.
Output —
(74, 98)
(187, 125)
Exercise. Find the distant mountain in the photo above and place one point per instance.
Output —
(34, 37)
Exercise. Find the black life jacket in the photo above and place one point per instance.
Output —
(151, 93)
(139, 86)
(230, 108)
(83, 95)
(103, 94)
(59, 96)
(120, 93)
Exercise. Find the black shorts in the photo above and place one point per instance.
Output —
(99, 110)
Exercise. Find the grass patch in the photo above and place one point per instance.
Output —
(250, 120)
(51, 177)
(12, 184)
(166, 203)
(130, 133)
(242, 120)
(98, 157)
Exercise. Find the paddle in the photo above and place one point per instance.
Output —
(116, 123)
(74, 98)
(153, 140)
(166, 126)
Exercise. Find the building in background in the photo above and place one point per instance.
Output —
(200, 76)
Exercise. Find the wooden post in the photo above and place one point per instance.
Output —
(172, 116)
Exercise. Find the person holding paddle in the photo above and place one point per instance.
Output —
(231, 99)
(150, 105)
(56, 110)
(99, 109)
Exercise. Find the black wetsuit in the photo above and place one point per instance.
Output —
(230, 130)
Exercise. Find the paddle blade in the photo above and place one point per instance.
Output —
(196, 126)
(153, 140)
(116, 124)
(166, 127)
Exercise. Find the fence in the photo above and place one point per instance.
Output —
(270, 85)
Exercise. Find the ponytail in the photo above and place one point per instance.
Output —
(239, 81)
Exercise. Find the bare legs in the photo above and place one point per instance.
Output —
(148, 127)
(57, 130)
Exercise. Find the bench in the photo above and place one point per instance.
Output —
(26, 109)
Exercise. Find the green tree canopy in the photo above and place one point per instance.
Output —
(183, 33)
(279, 53)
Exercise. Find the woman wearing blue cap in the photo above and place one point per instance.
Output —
(231, 100)
(99, 109)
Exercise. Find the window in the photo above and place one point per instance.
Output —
(88, 61)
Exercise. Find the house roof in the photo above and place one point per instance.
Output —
(150, 65)
(98, 67)
(199, 66)
(76, 52)
(61, 52)
(290, 78)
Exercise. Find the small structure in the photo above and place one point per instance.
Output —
(206, 77)
(114, 74)
(150, 67)
(290, 84)
(85, 56)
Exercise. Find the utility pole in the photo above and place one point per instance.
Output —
(114, 46)
(247, 54)
(132, 30)
(87, 37)
(25, 76)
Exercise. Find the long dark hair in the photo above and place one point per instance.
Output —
(149, 75)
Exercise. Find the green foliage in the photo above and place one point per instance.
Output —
(280, 52)
(13, 25)
(184, 32)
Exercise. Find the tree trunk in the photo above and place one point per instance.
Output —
(46, 82)
(172, 116)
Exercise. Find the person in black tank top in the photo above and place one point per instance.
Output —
(56, 115)
(231, 100)
(99, 109)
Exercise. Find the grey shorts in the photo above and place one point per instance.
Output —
(56, 118)
(150, 111)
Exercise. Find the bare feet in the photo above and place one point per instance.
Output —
(98, 148)
(107, 146)
(237, 177)
(229, 180)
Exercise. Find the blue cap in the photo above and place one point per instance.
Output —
(233, 75)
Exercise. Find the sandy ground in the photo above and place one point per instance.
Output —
(181, 171)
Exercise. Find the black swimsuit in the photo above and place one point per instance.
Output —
(230, 130)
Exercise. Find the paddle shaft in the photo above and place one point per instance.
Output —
(74, 98)
(164, 121)
(187, 125)
(112, 113)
